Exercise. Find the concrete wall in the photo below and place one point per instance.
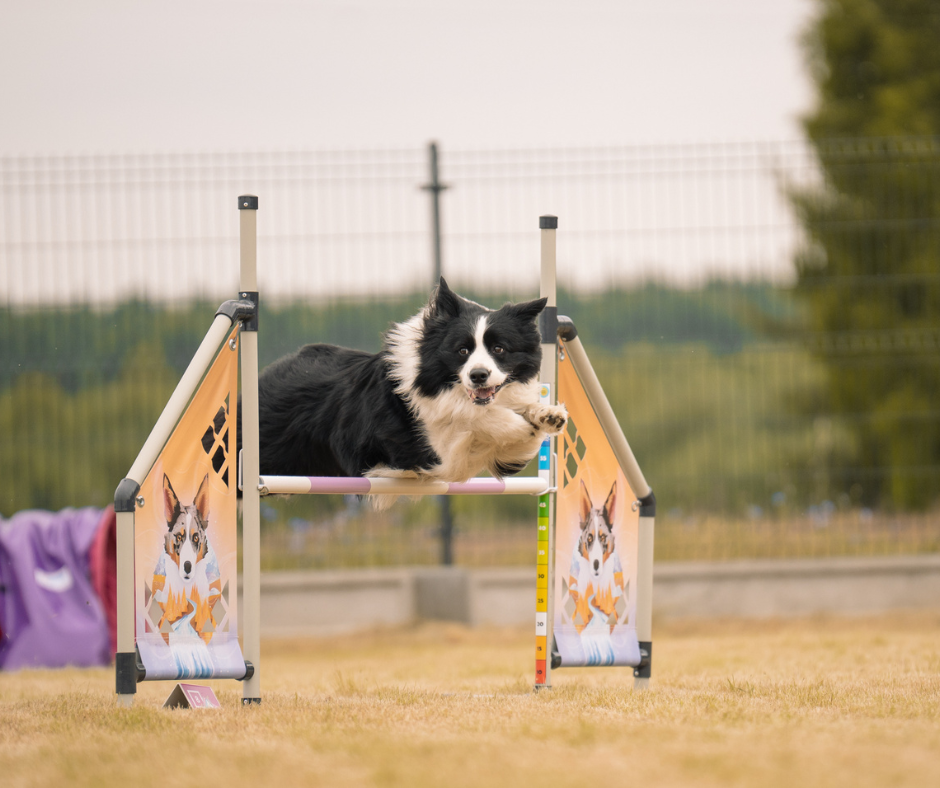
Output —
(767, 589)
(321, 603)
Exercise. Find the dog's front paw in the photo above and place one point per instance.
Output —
(550, 419)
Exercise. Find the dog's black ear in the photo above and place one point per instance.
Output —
(529, 310)
(171, 504)
(444, 303)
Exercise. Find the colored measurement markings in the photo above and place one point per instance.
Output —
(541, 624)
(540, 676)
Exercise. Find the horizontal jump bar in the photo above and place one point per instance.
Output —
(380, 485)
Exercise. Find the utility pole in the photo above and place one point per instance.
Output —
(435, 187)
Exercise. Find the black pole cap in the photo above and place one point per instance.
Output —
(566, 328)
(644, 669)
(248, 202)
(125, 496)
(548, 222)
(127, 672)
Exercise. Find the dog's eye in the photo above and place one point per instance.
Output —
(464, 351)
(196, 539)
(498, 350)
(590, 539)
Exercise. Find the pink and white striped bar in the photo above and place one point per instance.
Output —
(380, 485)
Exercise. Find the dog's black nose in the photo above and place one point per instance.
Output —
(597, 565)
(479, 376)
(188, 567)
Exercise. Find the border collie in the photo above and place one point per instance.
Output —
(453, 392)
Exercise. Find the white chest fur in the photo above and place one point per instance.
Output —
(470, 438)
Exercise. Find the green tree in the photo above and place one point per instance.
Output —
(870, 270)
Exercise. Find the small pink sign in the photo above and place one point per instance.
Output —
(192, 696)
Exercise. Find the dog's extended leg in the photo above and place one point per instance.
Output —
(549, 419)
(521, 442)
(546, 420)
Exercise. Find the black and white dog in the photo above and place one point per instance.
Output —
(453, 392)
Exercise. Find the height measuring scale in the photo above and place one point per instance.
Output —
(543, 570)
(548, 325)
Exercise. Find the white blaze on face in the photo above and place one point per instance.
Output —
(480, 359)
(596, 551)
(188, 554)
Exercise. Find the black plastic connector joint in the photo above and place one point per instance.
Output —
(645, 668)
(548, 325)
(566, 329)
(125, 496)
(248, 202)
(252, 297)
(127, 672)
(249, 671)
(242, 309)
(251, 701)
(548, 222)
(648, 505)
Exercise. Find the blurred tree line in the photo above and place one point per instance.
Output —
(81, 388)
(870, 270)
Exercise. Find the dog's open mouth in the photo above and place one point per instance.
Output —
(483, 396)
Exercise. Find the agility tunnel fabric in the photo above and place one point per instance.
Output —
(57, 583)
(595, 540)
(186, 539)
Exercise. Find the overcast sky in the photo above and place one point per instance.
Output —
(218, 75)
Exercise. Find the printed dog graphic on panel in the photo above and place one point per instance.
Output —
(186, 580)
(595, 581)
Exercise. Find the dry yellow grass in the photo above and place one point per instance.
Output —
(824, 702)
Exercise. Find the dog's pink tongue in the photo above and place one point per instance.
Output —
(482, 393)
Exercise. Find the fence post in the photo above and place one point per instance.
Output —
(435, 187)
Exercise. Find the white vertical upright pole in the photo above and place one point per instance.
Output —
(545, 585)
(251, 504)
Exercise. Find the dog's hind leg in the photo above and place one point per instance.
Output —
(382, 503)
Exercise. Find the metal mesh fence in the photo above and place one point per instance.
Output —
(676, 262)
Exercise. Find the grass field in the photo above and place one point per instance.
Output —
(820, 702)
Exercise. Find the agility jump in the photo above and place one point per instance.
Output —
(176, 512)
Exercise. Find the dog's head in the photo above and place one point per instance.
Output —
(185, 540)
(481, 350)
(596, 543)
